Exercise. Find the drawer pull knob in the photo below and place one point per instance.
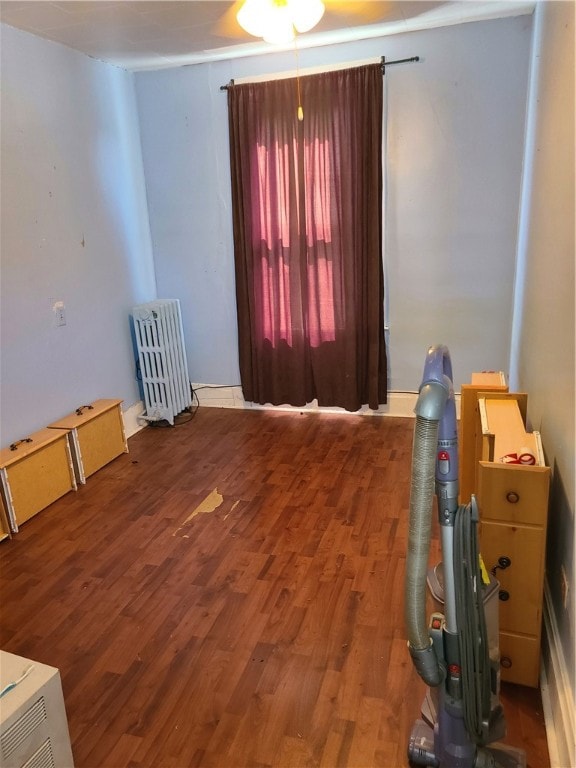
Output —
(506, 662)
(504, 595)
(503, 563)
(512, 497)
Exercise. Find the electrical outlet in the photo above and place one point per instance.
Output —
(59, 313)
(564, 587)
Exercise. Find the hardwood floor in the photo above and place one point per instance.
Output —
(229, 594)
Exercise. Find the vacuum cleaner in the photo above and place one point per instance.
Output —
(456, 651)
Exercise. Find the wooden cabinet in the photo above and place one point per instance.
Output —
(34, 472)
(42, 467)
(4, 522)
(513, 504)
(96, 434)
(469, 440)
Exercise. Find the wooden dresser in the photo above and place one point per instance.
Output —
(513, 503)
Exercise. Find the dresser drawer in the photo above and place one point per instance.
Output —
(470, 443)
(513, 493)
(519, 659)
(522, 583)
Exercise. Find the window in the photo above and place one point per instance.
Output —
(307, 207)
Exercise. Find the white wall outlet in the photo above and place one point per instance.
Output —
(59, 312)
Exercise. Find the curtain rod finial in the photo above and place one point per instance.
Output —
(384, 63)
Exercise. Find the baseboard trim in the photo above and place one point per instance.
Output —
(214, 396)
(211, 396)
(400, 404)
(130, 417)
(557, 693)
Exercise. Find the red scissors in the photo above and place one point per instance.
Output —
(527, 459)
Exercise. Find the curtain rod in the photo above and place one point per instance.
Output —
(383, 64)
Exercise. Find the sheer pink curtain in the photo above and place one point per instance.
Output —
(307, 211)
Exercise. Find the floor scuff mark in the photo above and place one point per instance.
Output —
(232, 510)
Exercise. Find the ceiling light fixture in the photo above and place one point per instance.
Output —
(277, 21)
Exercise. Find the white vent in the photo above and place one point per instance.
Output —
(33, 727)
(162, 358)
(18, 733)
(42, 758)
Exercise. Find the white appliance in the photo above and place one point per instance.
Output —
(33, 726)
(162, 358)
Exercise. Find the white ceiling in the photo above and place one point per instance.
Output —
(151, 34)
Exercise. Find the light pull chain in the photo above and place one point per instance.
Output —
(300, 110)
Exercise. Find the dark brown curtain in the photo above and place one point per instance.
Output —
(307, 211)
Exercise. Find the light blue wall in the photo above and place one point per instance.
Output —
(543, 342)
(455, 124)
(184, 129)
(74, 229)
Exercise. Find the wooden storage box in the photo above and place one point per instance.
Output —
(513, 504)
(34, 472)
(96, 434)
(4, 522)
(470, 440)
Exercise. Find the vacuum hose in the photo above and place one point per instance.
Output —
(419, 534)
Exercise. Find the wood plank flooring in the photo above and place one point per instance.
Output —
(230, 594)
